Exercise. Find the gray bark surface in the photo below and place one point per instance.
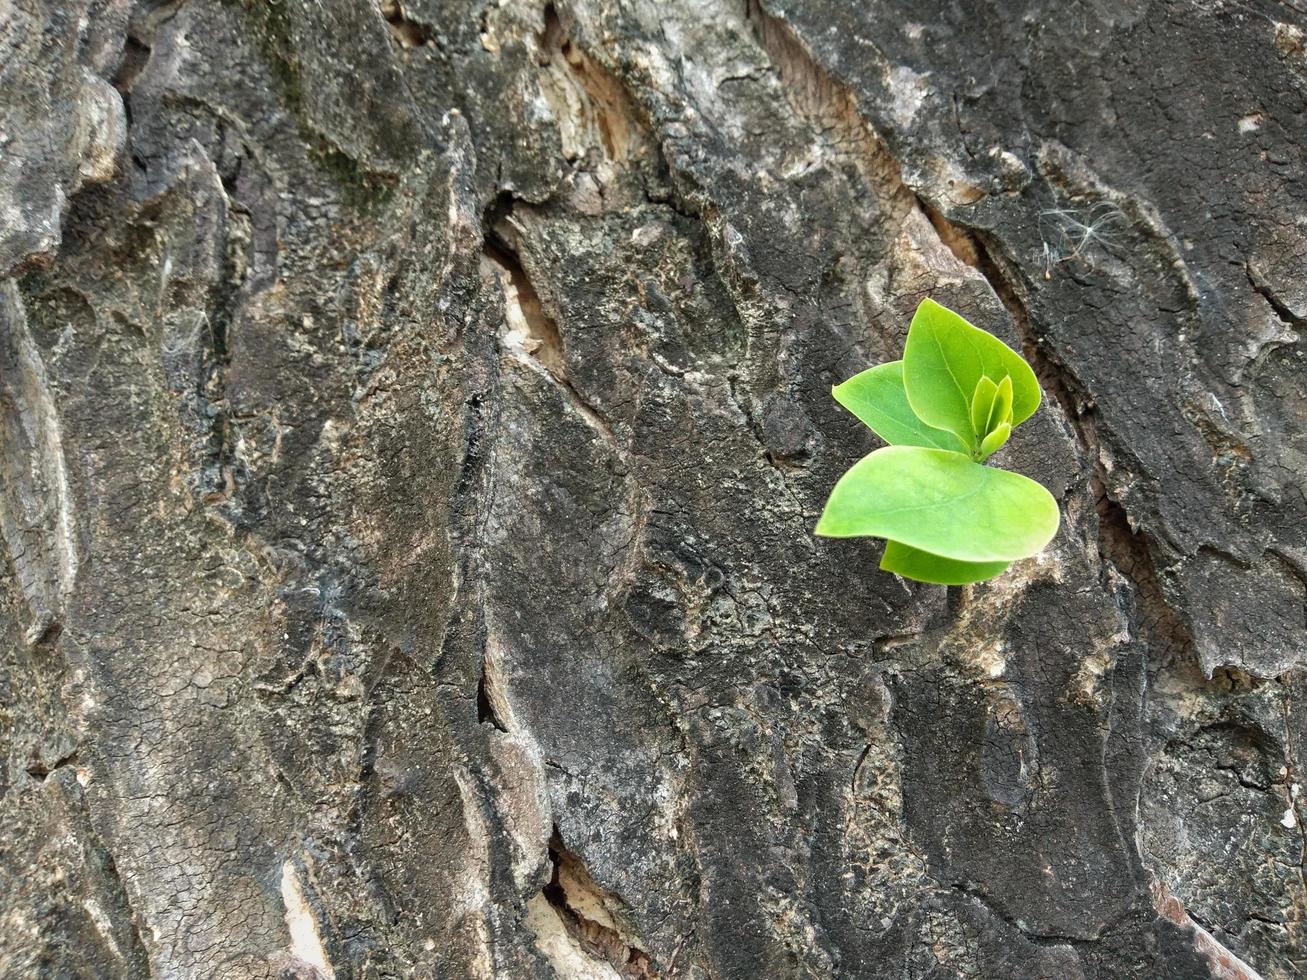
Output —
(413, 419)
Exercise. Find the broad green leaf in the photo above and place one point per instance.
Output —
(993, 442)
(922, 566)
(943, 503)
(944, 359)
(876, 397)
(982, 403)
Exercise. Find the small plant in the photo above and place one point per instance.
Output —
(944, 409)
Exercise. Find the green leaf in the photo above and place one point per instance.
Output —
(922, 566)
(943, 361)
(941, 502)
(1002, 410)
(993, 442)
(982, 403)
(876, 397)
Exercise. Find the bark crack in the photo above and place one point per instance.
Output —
(1264, 289)
(590, 105)
(407, 32)
(533, 334)
(592, 915)
(995, 908)
(493, 707)
(1224, 963)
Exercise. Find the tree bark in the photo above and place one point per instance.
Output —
(413, 419)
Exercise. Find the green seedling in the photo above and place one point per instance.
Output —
(950, 404)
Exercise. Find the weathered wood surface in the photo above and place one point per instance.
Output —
(413, 419)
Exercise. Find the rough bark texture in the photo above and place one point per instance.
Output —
(413, 418)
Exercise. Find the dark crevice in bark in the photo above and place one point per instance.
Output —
(38, 769)
(966, 249)
(995, 908)
(142, 27)
(473, 456)
(136, 53)
(136, 955)
(408, 33)
(623, 130)
(544, 341)
(137, 50)
(225, 303)
(1266, 292)
(1223, 963)
(44, 630)
(486, 713)
(590, 915)
(626, 132)
(857, 770)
